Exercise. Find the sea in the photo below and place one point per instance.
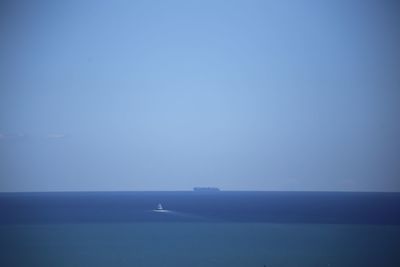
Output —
(200, 229)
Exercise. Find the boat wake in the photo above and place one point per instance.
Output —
(161, 209)
(181, 215)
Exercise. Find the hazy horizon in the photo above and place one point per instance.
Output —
(125, 190)
(169, 95)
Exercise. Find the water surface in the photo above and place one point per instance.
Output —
(219, 229)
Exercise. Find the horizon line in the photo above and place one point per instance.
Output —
(199, 192)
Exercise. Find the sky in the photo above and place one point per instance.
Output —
(169, 95)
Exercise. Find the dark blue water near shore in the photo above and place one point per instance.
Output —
(199, 229)
(228, 206)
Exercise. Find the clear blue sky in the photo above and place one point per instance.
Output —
(167, 95)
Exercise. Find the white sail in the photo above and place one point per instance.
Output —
(160, 208)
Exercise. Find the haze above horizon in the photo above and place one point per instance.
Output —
(170, 95)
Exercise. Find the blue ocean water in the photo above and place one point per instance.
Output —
(200, 229)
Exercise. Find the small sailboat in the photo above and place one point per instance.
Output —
(160, 208)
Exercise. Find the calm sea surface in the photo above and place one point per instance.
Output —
(200, 229)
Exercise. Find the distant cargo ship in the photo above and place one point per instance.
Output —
(206, 189)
